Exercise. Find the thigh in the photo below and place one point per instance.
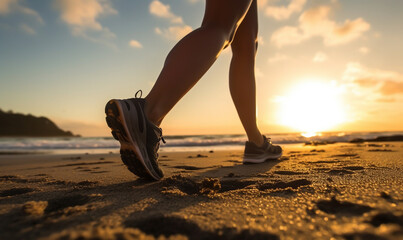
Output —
(226, 14)
(246, 34)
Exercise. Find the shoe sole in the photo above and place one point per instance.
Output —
(129, 150)
(263, 158)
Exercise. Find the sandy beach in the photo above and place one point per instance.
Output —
(334, 191)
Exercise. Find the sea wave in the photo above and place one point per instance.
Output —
(178, 141)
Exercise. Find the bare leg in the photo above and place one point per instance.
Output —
(189, 60)
(242, 74)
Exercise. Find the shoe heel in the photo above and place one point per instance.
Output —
(111, 109)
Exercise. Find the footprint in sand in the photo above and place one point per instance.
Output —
(214, 185)
(97, 172)
(82, 184)
(61, 203)
(346, 155)
(15, 191)
(385, 218)
(233, 161)
(172, 225)
(187, 167)
(354, 168)
(335, 206)
(13, 178)
(198, 156)
(339, 172)
(164, 160)
(345, 170)
(380, 150)
(85, 163)
(320, 162)
(207, 185)
(230, 185)
(283, 185)
(362, 235)
(284, 172)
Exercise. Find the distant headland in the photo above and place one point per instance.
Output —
(20, 125)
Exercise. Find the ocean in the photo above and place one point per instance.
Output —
(64, 145)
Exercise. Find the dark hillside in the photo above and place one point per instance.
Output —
(20, 125)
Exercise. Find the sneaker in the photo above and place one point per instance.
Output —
(255, 154)
(139, 138)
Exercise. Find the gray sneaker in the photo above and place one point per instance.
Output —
(255, 154)
(139, 138)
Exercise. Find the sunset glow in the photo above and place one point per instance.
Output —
(312, 107)
(65, 59)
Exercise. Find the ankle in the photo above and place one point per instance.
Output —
(257, 140)
(152, 115)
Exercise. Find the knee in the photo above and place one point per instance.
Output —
(245, 45)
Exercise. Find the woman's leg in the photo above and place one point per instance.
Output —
(189, 60)
(242, 74)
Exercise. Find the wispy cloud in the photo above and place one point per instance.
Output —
(261, 3)
(82, 17)
(367, 81)
(9, 7)
(135, 44)
(316, 22)
(391, 88)
(284, 12)
(260, 40)
(161, 10)
(363, 50)
(277, 58)
(178, 28)
(27, 29)
(287, 36)
(319, 57)
(174, 32)
(194, 1)
(13, 6)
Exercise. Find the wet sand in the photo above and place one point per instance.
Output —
(335, 191)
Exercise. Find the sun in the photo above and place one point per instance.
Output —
(312, 107)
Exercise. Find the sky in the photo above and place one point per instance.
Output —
(322, 65)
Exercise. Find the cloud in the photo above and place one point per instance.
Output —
(260, 41)
(284, 12)
(174, 32)
(316, 22)
(262, 3)
(363, 50)
(178, 28)
(27, 29)
(366, 81)
(258, 73)
(355, 70)
(277, 58)
(14, 6)
(386, 100)
(161, 10)
(82, 17)
(391, 88)
(287, 36)
(135, 44)
(8, 7)
(319, 57)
